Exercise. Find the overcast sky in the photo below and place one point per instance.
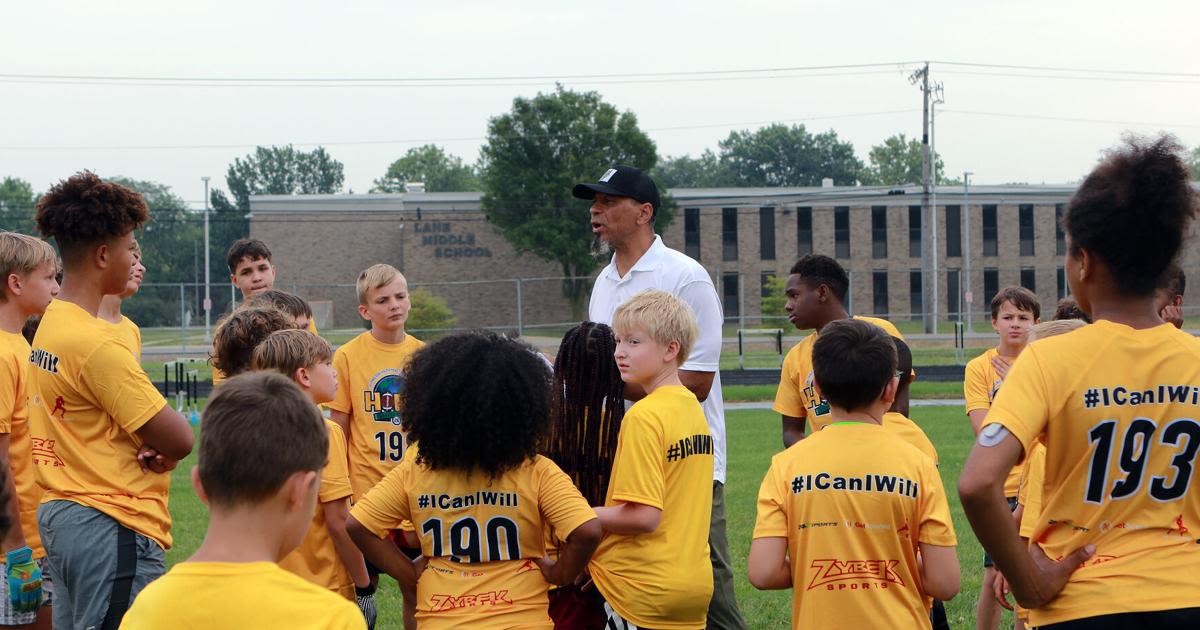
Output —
(988, 125)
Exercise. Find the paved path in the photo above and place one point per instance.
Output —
(931, 402)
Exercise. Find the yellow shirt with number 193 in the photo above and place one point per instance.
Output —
(796, 396)
(1119, 412)
(370, 380)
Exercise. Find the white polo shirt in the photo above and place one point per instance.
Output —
(664, 268)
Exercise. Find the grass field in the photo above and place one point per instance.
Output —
(753, 437)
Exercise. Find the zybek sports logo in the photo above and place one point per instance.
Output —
(857, 575)
(382, 397)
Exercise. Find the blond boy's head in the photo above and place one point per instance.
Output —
(375, 277)
(662, 316)
(22, 254)
(1054, 327)
(301, 356)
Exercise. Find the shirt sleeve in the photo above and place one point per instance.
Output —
(10, 379)
(384, 507)
(638, 475)
(975, 385)
(341, 400)
(335, 479)
(121, 387)
(1023, 405)
(560, 502)
(706, 352)
(772, 506)
(936, 527)
(789, 400)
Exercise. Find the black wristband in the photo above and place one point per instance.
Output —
(365, 591)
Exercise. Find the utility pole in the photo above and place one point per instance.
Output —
(968, 295)
(207, 270)
(928, 254)
(933, 223)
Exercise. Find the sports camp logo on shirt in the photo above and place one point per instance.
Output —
(45, 360)
(819, 406)
(854, 575)
(43, 453)
(383, 395)
(441, 603)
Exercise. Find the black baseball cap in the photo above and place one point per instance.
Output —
(622, 181)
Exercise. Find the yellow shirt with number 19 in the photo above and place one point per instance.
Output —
(370, 381)
(1118, 410)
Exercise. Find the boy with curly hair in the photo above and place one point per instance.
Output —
(477, 491)
(262, 451)
(95, 415)
(240, 333)
(653, 568)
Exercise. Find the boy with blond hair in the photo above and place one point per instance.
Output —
(853, 520)
(259, 472)
(95, 416)
(1015, 310)
(110, 306)
(27, 269)
(327, 557)
(653, 568)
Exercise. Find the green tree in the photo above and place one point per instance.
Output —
(776, 298)
(172, 243)
(897, 161)
(429, 312)
(778, 155)
(685, 171)
(16, 206)
(532, 158)
(439, 171)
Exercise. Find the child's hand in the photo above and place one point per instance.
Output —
(1000, 590)
(1001, 365)
(419, 565)
(150, 460)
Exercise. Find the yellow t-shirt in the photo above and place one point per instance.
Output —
(128, 333)
(211, 595)
(481, 538)
(370, 380)
(664, 459)
(854, 504)
(1033, 475)
(316, 559)
(796, 396)
(87, 397)
(980, 386)
(909, 431)
(14, 420)
(1116, 409)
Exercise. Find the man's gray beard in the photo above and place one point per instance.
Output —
(600, 247)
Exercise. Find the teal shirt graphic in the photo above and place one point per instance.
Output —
(382, 399)
(816, 403)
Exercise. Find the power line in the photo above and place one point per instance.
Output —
(1063, 77)
(170, 147)
(1066, 69)
(1071, 119)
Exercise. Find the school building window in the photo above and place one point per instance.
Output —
(841, 232)
(953, 295)
(953, 231)
(766, 232)
(729, 295)
(990, 247)
(1028, 279)
(878, 231)
(915, 295)
(879, 286)
(729, 235)
(1026, 228)
(691, 232)
(991, 285)
(914, 231)
(1060, 237)
(1063, 289)
(803, 232)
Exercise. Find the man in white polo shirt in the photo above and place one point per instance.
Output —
(624, 203)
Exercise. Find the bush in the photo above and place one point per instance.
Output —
(429, 311)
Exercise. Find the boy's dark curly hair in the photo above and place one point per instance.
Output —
(83, 211)
(240, 333)
(818, 269)
(1133, 212)
(476, 402)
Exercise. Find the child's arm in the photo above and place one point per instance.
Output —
(939, 571)
(385, 555)
(336, 514)
(793, 429)
(573, 556)
(768, 566)
(628, 519)
(16, 536)
(342, 419)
